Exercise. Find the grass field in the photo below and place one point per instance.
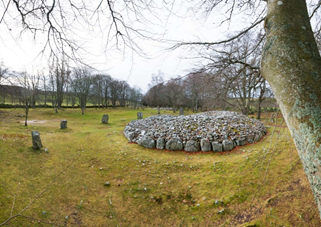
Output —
(89, 175)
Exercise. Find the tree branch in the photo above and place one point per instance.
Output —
(37, 197)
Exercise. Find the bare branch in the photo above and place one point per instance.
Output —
(240, 34)
(37, 197)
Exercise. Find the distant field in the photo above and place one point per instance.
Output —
(259, 184)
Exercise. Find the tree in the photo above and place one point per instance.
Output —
(154, 96)
(123, 93)
(135, 97)
(28, 86)
(3, 72)
(114, 92)
(59, 75)
(106, 80)
(173, 92)
(81, 84)
(292, 65)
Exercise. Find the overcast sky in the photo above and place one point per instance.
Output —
(22, 52)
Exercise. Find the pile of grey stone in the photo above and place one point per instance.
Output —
(209, 131)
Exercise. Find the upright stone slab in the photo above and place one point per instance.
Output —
(160, 143)
(217, 147)
(36, 141)
(206, 145)
(181, 111)
(104, 119)
(241, 141)
(227, 145)
(139, 115)
(63, 124)
(174, 144)
(192, 146)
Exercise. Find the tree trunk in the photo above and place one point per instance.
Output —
(291, 64)
(26, 113)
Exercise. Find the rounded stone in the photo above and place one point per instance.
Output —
(146, 141)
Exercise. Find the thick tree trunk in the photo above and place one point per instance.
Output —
(292, 65)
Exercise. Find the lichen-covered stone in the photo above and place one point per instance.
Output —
(227, 145)
(217, 147)
(63, 124)
(174, 144)
(146, 141)
(105, 118)
(192, 146)
(160, 143)
(139, 115)
(36, 141)
(206, 145)
(181, 111)
(241, 141)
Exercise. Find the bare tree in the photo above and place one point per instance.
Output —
(3, 76)
(28, 85)
(3, 72)
(173, 92)
(81, 84)
(123, 93)
(135, 97)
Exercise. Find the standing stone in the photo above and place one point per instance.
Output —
(217, 147)
(227, 145)
(192, 146)
(104, 119)
(36, 141)
(174, 144)
(160, 143)
(63, 124)
(205, 145)
(181, 111)
(139, 115)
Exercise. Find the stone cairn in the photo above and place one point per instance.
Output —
(139, 115)
(215, 131)
(63, 124)
(36, 141)
(104, 119)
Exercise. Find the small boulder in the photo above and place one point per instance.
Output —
(146, 141)
(104, 119)
(63, 124)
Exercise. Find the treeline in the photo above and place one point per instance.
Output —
(228, 78)
(65, 87)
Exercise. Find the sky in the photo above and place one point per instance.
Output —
(21, 52)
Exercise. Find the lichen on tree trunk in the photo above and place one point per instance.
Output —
(291, 64)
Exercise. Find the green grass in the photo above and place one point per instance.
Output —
(255, 185)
